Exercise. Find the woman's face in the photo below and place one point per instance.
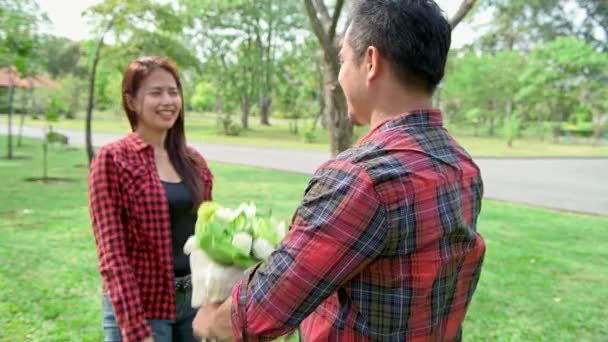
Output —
(157, 102)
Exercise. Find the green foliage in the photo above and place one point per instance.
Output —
(243, 43)
(71, 94)
(226, 234)
(560, 81)
(228, 127)
(234, 129)
(112, 90)
(56, 137)
(52, 113)
(480, 89)
(204, 97)
(525, 24)
(61, 56)
(310, 135)
(555, 76)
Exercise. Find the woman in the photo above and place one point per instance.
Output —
(144, 191)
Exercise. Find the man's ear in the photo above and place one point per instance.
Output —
(373, 63)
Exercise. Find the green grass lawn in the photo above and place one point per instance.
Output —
(545, 276)
(203, 128)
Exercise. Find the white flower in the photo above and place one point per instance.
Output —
(226, 215)
(243, 242)
(249, 210)
(281, 230)
(262, 249)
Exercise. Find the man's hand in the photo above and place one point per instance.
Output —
(213, 321)
(148, 339)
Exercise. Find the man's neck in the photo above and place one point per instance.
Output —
(393, 104)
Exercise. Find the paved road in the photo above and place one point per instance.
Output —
(572, 184)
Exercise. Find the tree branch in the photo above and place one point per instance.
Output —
(317, 26)
(322, 10)
(334, 19)
(465, 7)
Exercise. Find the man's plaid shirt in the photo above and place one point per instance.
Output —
(383, 247)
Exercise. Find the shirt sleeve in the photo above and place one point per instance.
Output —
(336, 232)
(205, 172)
(105, 206)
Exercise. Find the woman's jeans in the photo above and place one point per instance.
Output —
(179, 330)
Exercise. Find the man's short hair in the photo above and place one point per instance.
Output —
(413, 35)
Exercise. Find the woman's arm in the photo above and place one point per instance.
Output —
(105, 207)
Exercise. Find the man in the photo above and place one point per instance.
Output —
(384, 245)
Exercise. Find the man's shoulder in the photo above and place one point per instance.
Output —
(376, 159)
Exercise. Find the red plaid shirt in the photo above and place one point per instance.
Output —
(130, 217)
(383, 247)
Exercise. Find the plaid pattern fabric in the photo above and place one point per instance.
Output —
(383, 247)
(130, 218)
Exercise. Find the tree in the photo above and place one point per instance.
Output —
(20, 21)
(60, 56)
(324, 27)
(558, 75)
(204, 96)
(324, 21)
(299, 83)
(244, 39)
(481, 89)
(523, 24)
(91, 101)
(596, 17)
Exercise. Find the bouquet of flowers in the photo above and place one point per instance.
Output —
(227, 242)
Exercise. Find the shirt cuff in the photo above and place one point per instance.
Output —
(235, 311)
(137, 332)
(239, 307)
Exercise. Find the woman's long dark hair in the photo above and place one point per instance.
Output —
(175, 142)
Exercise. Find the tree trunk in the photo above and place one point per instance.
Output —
(265, 103)
(245, 109)
(320, 99)
(91, 102)
(340, 127)
(22, 121)
(11, 96)
(598, 135)
(555, 133)
(510, 128)
(491, 131)
(45, 152)
(268, 60)
(320, 115)
(491, 107)
(324, 27)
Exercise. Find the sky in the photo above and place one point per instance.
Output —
(66, 20)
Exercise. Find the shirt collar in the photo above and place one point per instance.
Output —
(136, 143)
(423, 117)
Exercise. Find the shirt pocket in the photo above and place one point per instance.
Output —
(146, 206)
(135, 178)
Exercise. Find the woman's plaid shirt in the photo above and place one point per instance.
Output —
(384, 246)
(130, 217)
